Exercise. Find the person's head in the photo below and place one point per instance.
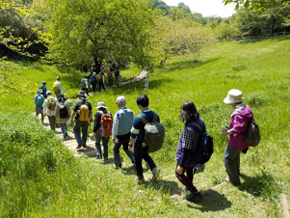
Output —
(101, 106)
(57, 78)
(48, 93)
(44, 83)
(94, 73)
(61, 98)
(188, 112)
(234, 97)
(121, 101)
(81, 95)
(143, 101)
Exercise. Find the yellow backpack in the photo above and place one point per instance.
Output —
(55, 86)
(84, 113)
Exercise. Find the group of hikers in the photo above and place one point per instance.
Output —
(128, 131)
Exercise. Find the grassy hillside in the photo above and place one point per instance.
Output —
(39, 177)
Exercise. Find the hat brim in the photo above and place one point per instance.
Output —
(227, 100)
(101, 107)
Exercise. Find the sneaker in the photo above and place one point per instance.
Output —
(194, 197)
(117, 167)
(78, 147)
(84, 146)
(227, 179)
(98, 158)
(139, 181)
(155, 173)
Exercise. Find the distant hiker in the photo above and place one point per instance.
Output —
(137, 138)
(101, 80)
(123, 121)
(43, 88)
(85, 85)
(240, 118)
(82, 112)
(38, 102)
(93, 81)
(187, 145)
(102, 130)
(117, 75)
(49, 109)
(62, 114)
(58, 88)
(110, 77)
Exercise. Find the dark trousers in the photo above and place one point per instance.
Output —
(142, 153)
(101, 85)
(187, 180)
(124, 141)
(94, 86)
(86, 90)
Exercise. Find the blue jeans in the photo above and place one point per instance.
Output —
(142, 153)
(124, 141)
(105, 143)
(78, 125)
(63, 127)
(232, 163)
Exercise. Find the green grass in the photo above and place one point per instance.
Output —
(39, 177)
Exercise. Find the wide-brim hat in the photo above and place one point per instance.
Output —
(101, 105)
(81, 94)
(234, 96)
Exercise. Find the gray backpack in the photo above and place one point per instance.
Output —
(154, 133)
(252, 135)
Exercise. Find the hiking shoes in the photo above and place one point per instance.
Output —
(194, 197)
(234, 183)
(139, 181)
(155, 173)
(78, 147)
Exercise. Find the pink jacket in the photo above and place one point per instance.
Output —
(239, 121)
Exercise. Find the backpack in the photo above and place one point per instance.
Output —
(39, 100)
(205, 148)
(84, 113)
(63, 113)
(252, 135)
(83, 83)
(106, 124)
(100, 78)
(55, 86)
(154, 133)
(110, 74)
(51, 104)
(93, 79)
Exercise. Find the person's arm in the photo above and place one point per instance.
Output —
(61, 87)
(115, 128)
(97, 122)
(134, 132)
(45, 107)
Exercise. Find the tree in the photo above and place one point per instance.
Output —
(83, 32)
(258, 4)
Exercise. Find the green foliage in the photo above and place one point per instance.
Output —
(257, 4)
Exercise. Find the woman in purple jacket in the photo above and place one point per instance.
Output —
(188, 143)
(240, 118)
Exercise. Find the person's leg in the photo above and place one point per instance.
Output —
(76, 128)
(125, 142)
(105, 146)
(116, 151)
(63, 129)
(230, 161)
(103, 85)
(98, 145)
(85, 126)
(100, 86)
(138, 154)
(51, 120)
(186, 180)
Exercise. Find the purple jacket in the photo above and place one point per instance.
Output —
(239, 121)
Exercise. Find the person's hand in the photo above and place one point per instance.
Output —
(179, 170)
(91, 119)
(224, 133)
(130, 147)
(71, 122)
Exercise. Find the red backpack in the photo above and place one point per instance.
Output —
(100, 78)
(106, 124)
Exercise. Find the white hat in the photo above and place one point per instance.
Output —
(101, 105)
(234, 96)
(121, 100)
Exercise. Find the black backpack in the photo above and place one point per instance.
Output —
(63, 113)
(205, 148)
(252, 135)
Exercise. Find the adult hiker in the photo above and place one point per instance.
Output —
(187, 145)
(58, 88)
(85, 85)
(49, 109)
(102, 130)
(240, 118)
(82, 112)
(93, 81)
(137, 140)
(43, 88)
(101, 80)
(38, 102)
(117, 75)
(122, 125)
(62, 114)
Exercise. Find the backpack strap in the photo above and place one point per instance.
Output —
(143, 119)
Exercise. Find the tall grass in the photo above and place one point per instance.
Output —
(48, 181)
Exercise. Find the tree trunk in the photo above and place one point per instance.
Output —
(97, 65)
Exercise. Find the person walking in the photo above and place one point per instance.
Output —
(43, 88)
(187, 144)
(102, 130)
(101, 80)
(49, 109)
(38, 102)
(122, 125)
(62, 114)
(82, 112)
(93, 81)
(58, 88)
(137, 140)
(85, 85)
(240, 118)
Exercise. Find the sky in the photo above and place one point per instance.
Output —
(206, 7)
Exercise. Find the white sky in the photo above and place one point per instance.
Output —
(206, 7)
